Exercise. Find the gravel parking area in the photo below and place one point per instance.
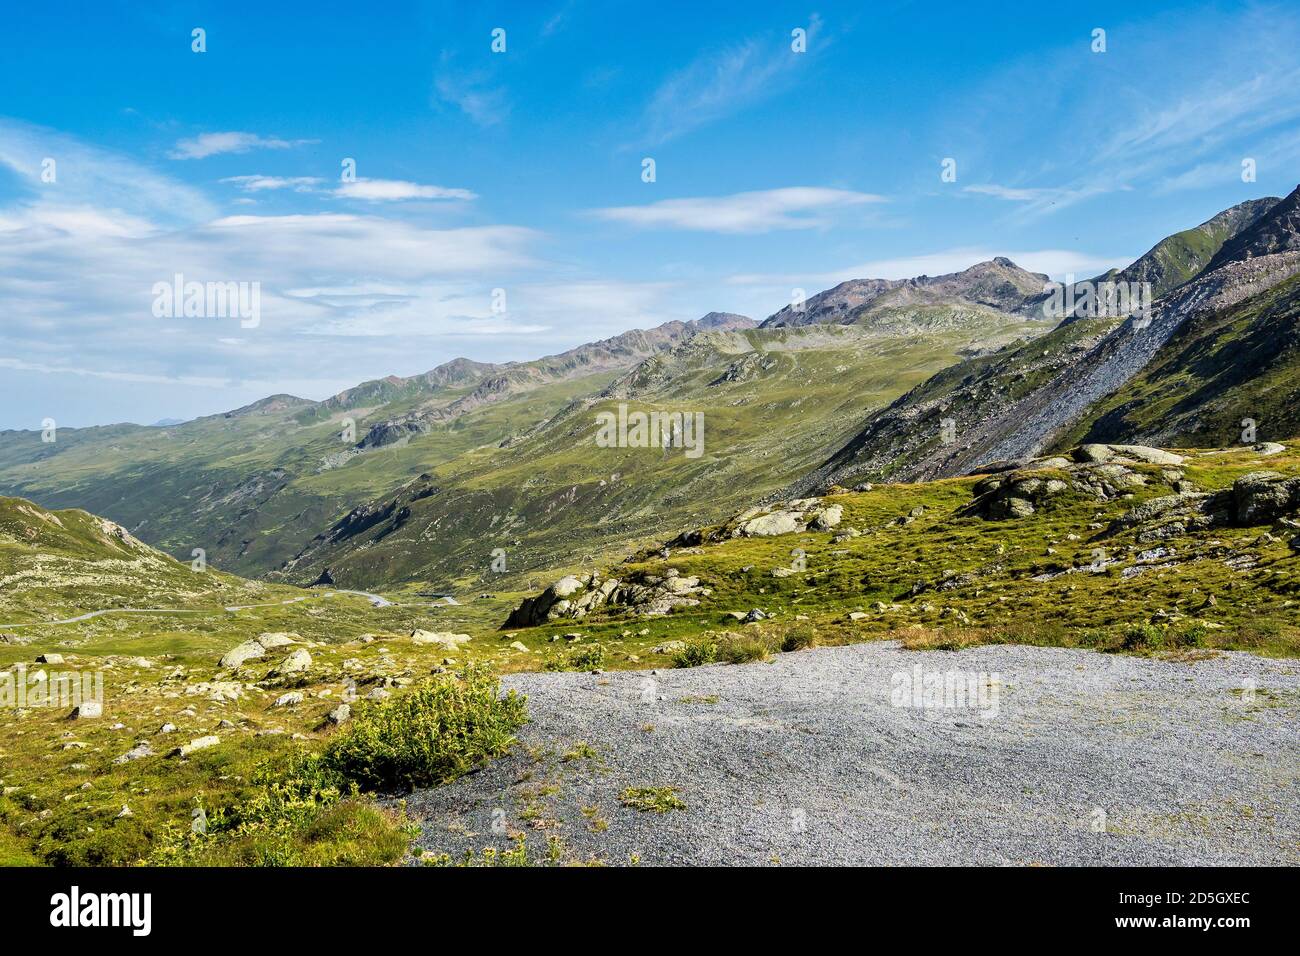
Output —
(1069, 758)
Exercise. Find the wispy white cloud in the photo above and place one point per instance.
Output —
(258, 183)
(369, 190)
(720, 82)
(1138, 117)
(474, 92)
(793, 207)
(392, 190)
(86, 176)
(214, 144)
(1009, 193)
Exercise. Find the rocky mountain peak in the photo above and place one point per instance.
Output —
(1277, 230)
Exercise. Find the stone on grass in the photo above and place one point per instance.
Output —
(88, 708)
(295, 663)
(237, 655)
(199, 743)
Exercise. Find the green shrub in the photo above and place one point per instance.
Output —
(430, 735)
(305, 807)
(654, 799)
(1193, 635)
(1093, 637)
(696, 654)
(1141, 637)
(288, 794)
(743, 649)
(588, 658)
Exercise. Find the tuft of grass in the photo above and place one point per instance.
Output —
(697, 654)
(588, 658)
(941, 639)
(799, 640)
(580, 751)
(1142, 637)
(653, 799)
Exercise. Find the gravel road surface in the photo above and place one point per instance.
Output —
(1069, 757)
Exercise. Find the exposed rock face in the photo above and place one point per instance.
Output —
(799, 515)
(648, 595)
(201, 743)
(996, 284)
(237, 655)
(1263, 496)
(138, 752)
(772, 524)
(256, 648)
(1015, 495)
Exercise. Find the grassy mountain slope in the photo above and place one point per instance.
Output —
(1181, 257)
(56, 564)
(253, 486)
(774, 402)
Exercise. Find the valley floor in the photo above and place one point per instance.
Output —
(805, 760)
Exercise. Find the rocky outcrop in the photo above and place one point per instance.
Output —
(1098, 471)
(443, 639)
(641, 593)
(996, 284)
(1259, 497)
(256, 648)
(791, 517)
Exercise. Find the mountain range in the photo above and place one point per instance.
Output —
(422, 480)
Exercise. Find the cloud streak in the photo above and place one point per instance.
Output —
(215, 144)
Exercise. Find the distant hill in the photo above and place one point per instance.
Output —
(61, 563)
(254, 485)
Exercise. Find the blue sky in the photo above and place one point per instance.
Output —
(522, 171)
